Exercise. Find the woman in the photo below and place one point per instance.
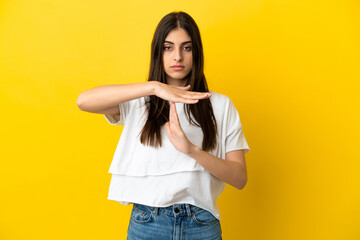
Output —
(180, 144)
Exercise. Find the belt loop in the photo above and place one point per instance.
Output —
(188, 210)
(156, 211)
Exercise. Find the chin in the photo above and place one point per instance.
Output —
(177, 77)
(181, 75)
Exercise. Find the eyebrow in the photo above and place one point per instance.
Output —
(181, 43)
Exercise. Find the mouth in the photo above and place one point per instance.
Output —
(178, 68)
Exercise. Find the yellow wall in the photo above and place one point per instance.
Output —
(290, 67)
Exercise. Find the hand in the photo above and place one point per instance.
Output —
(176, 134)
(178, 94)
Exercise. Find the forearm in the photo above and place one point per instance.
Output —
(230, 172)
(106, 96)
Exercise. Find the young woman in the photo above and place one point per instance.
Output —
(181, 142)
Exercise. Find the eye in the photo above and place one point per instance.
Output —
(166, 47)
(187, 48)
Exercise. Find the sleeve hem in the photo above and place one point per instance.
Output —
(112, 120)
(247, 149)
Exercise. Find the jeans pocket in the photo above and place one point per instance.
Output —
(203, 217)
(141, 214)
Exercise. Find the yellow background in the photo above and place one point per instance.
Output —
(290, 67)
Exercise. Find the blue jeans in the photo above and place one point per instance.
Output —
(176, 222)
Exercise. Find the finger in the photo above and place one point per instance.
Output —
(190, 98)
(187, 86)
(196, 95)
(192, 101)
(187, 101)
(167, 128)
(173, 115)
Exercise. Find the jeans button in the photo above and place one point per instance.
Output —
(176, 210)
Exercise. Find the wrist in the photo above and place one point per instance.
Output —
(194, 150)
(153, 86)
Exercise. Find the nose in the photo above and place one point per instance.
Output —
(177, 56)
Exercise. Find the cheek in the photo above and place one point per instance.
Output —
(164, 62)
(190, 62)
(165, 59)
(190, 59)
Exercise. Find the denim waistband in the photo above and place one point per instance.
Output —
(175, 210)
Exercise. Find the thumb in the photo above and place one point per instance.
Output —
(186, 87)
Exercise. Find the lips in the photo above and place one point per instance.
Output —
(177, 67)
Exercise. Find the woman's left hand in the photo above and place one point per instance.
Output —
(175, 132)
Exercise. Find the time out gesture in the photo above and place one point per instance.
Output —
(178, 94)
(176, 134)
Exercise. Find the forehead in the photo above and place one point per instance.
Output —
(178, 36)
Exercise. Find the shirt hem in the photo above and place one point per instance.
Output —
(157, 205)
(133, 174)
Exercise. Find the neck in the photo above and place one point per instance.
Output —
(176, 82)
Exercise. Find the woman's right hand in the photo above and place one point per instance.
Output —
(178, 94)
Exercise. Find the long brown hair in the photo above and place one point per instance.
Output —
(158, 108)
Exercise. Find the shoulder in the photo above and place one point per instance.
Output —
(222, 104)
(138, 101)
(219, 99)
(133, 106)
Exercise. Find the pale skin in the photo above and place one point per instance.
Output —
(233, 169)
(106, 99)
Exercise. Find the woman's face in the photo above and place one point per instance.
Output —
(177, 51)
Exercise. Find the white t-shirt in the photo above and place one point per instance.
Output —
(164, 176)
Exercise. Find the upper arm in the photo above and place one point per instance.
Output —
(117, 115)
(114, 110)
(113, 113)
(234, 137)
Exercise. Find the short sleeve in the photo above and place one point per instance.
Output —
(124, 110)
(234, 139)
